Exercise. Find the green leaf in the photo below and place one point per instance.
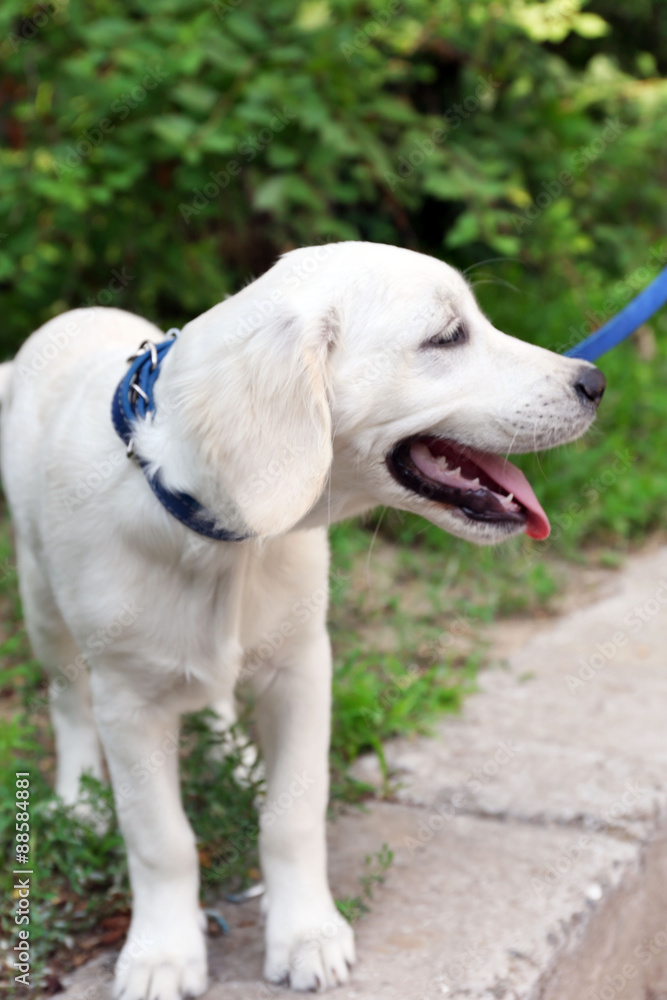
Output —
(590, 25)
(194, 96)
(277, 193)
(466, 229)
(175, 130)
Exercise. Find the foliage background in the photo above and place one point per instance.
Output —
(442, 125)
(115, 118)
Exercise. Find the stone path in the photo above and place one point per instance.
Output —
(530, 836)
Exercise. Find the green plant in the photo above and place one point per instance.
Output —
(159, 153)
(375, 871)
(380, 696)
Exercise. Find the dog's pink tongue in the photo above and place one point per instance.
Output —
(514, 481)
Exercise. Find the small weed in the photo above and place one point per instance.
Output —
(376, 867)
(377, 697)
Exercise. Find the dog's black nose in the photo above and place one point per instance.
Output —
(591, 384)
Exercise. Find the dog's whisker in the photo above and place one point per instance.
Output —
(496, 281)
(370, 547)
(489, 260)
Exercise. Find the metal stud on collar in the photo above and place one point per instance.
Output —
(145, 345)
(134, 387)
(138, 391)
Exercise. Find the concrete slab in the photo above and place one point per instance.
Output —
(571, 730)
(464, 910)
(530, 834)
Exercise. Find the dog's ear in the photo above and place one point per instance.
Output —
(267, 420)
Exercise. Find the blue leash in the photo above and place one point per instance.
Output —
(641, 308)
(132, 402)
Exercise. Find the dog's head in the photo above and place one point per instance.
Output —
(359, 374)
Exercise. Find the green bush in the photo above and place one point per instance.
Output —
(159, 154)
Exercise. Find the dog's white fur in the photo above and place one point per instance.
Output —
(276, 409)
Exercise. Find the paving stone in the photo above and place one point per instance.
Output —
(530, 834)
(465, 909)
(542, 745)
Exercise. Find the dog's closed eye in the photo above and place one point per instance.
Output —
(454, 334)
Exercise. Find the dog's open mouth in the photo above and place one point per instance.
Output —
(484, 487)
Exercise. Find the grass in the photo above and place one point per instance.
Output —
(376, 867)
(407, 602)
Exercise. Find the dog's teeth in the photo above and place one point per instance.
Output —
(475, 484)
(421, 451)
(441, 462)
(457, 472)
(510, 498)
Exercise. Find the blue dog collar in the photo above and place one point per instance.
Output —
(132, 401)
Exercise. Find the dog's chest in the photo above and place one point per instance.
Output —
(234, 619)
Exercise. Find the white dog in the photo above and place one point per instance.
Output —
(350, 375)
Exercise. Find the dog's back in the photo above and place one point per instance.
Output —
(41, 387)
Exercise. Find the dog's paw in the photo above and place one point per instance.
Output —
(308, 951)
(155, 966)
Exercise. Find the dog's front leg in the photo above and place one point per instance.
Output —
(165, 954)
(308, 943)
